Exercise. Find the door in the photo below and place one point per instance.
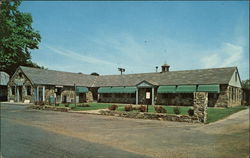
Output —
(82, 97)
(142, 96)
(19, 94)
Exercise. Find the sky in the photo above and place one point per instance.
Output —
(100, 36)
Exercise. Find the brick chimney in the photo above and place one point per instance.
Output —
(165, 68)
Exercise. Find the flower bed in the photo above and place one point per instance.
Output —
(152, 116)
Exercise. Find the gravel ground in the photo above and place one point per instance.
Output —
(27, 132)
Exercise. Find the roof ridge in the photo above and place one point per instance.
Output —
(54, 70)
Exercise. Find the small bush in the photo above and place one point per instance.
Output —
(128, 107)
(191, 112)
(135, 107)
(57, 104)
(41, 103)
(177, 110)
(142, 108)
(160, 109)
(113, 107)
(66, 105)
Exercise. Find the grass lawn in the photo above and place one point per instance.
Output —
(214, 114)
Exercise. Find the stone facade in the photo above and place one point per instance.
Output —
(20, 88)
(200, 106)
(117, 98)
(229, 96)
(178, 99)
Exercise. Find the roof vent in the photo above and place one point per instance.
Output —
(165, 68)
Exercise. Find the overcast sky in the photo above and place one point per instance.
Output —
(99, 37)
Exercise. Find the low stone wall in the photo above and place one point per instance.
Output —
(51, 108)
(152, 116)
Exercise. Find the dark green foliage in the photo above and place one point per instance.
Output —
(128, 108)
(66, 105)
(160, 109)
(94, 74)
(113, 107)
(17, 37)
(191, 112)
(177, 110)
(245, 84)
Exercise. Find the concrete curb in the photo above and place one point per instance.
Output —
(15, 103)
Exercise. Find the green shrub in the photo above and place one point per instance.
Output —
(57, 104)
(142, 108)
(128, 108)
(113, 107)
(177, 110)
(66, 105)
(41, 103)
(191, 112)
(160, 109)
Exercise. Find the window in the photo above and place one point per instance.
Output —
(133, 95)
(13, 90)
(28, 88)
(118, 95)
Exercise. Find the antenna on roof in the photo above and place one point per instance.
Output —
(121, 70)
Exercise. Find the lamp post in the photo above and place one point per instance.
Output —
(121, 70)
(75, 94)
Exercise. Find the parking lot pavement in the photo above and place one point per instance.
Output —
(58, 134)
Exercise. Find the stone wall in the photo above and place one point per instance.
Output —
(178, 99)
(200, 106)
(89, 97)
(117, 98)
(152, 116)
(222, 100)
(67, 93)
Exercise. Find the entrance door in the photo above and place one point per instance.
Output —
(82, 97)
(142, 96)
(20, 94)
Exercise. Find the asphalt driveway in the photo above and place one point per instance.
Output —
(32, 133)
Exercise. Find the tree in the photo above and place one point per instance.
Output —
(17, 37)
(245, 84)
(94, 74)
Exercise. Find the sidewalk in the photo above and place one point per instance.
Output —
(16, 103)
(96, 112)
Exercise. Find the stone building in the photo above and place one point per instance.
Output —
(4, 79)
(166, 87)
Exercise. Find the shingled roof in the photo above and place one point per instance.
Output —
(201, 76)
(52, 77)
